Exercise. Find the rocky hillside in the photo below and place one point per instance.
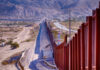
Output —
(39, 9)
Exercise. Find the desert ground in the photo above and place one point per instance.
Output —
(23, 35)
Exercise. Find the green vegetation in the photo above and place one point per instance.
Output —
(5, 62)
(2, 40)
(12, 59)
(14, 45)
(55, 33)
(9, 42)
(28, 40)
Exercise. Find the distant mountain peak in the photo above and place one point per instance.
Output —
(51, 9)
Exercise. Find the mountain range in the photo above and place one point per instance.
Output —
(50, 9)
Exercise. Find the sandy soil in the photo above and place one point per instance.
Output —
(23, 35)
(6, 51)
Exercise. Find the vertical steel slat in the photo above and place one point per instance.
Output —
(71, 55)
(90, 43)
(78, 51)
(74, 54)
(83, 47)
(97, 39)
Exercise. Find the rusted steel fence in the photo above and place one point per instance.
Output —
(61, 54)
(84, 47)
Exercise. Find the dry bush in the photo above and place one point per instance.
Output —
(9, 42)
(14, 45)
(5, 62)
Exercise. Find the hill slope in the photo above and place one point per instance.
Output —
(38, 9)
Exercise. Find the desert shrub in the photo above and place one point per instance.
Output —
(2, 40)
(28, 40)
(14, 45)
(55, 33)
(9, 42)
(13, 62)
(5, 62)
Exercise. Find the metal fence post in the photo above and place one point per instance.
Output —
(97, 39)
(90, 43)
